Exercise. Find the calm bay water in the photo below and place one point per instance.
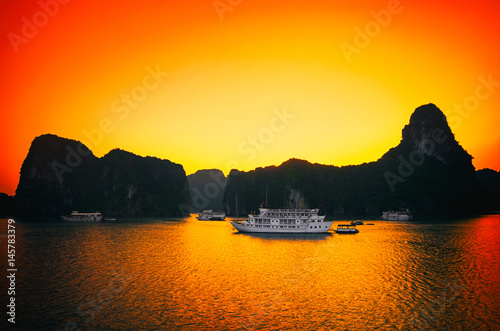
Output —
(184, 274)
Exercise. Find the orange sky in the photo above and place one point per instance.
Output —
(252, 83)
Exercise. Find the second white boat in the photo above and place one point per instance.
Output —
(210, 215)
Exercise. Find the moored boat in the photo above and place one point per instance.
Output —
(284, 221)
(211, 215)
(404, 215)
(83, 217)
(347, 229)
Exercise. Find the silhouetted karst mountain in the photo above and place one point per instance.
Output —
(60, 175)
(207, 189)
(428, 172)
(428, 132)
(7, 205)
(142, 186)
(490, 179)
(54, 177)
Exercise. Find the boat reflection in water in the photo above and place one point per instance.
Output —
(287, 236)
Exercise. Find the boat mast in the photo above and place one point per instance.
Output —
(266, 197)
(237, 206)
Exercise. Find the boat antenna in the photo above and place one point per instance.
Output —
(237, 216)
(266, 196)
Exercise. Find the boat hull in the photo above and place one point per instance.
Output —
(210, 218)
(347, 232)
(249, 228)
(396, 216)
(210, 215)
(82, 219)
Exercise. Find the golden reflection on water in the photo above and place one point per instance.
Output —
(189, 274)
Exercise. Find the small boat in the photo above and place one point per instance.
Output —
(346, 229)
(83, 217)
(404, 215)
(210, 215)
(370, 224)
(357, 223)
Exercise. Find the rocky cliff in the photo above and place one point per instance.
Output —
(7, 205)
(428, 172)
(207, 189)
(490, 179)
(60, 175)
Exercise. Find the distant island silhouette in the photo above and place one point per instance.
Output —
(60, 175)
(428, 173)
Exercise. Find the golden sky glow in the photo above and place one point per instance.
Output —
(243, 84)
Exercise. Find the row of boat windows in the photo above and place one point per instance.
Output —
(268, 221)
(286, 227)
(285, 221)
(268, 226)
(290, 215)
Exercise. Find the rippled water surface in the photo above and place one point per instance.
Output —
(184, 274)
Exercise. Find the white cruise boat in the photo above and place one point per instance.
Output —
(284, 221)
(83, 217)
(397, 215)
(210, 215)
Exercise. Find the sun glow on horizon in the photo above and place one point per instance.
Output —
(267, 83)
